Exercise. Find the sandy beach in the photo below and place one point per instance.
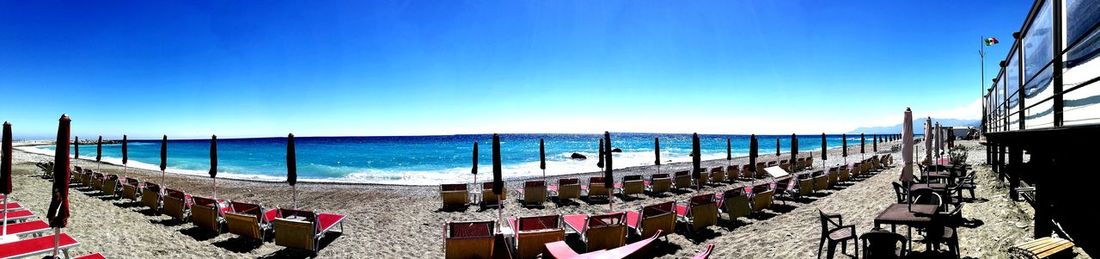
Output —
(386, 221)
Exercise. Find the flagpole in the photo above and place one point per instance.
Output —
(981, 55)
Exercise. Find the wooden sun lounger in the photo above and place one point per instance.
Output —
(208, 214)
(304, 229)
(454, 195)
(735, 203)
(36, 246)
(150, 196)
(131, 189)
(653, 219)
(110, 185)
(567, 188)
(599, 232)
(761, 197)
(733, 173)
(488, 198)
(631, 185)
(658, 183)
(249, 220)
(596, 188)
(177, 204)
(468, 239)
(682, 179)
(533, 193)
(718, 174)
(698, 213)
(533, 233)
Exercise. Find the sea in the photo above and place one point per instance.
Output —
(429, 160)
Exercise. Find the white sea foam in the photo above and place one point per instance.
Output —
(559, 165)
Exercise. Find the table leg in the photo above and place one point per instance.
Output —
(909, 236)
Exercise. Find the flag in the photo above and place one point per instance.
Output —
(991, 41)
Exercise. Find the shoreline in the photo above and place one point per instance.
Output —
(629, 170)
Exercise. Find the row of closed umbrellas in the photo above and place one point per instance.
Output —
(58, 212)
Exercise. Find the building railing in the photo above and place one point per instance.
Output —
(1049, 77)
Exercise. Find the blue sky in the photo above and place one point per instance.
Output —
(265, 68)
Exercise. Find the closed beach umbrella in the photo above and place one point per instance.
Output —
(696, 161)
(874, 143)
(862, 145)
(844, 146)
(163, 157)
(473, 170)
(542, 158)
(939, 142)
(753, 146)
(292, 168)
(777, 152)
(729, 150)
(907, 146)
(600, 163)
(824, 155)
(99, 149)
(125, 155)
(58, 213)
(657, 152)
(76, 147)
(5, 171)
(498, 183)
(608, 176)
(928, 140)
(214, 163)
(794, 149)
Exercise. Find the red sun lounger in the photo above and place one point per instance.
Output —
(91, 256)
(303, 229)
(705, 253)
(560, 249)
(17, 215)
(34, 246)
(11, 206)
(28, 228)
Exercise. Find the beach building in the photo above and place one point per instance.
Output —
(1042, 116)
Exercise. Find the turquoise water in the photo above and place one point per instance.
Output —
(430, 159)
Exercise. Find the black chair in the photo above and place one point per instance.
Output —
(925, 196)
(883, 244)
(900, 192)
(835, 232)
(965, 181)
(944, 230)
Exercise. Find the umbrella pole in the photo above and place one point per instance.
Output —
(56, 240)
(5, 216)
(294, 196)
(499, 217)
(215, 188)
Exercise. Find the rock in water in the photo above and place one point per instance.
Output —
(616, 150)
(578, 156)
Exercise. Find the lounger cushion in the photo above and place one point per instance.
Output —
(37, 245)
(325, 221)
(29, 227)
(17, 215)
(11, 206)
